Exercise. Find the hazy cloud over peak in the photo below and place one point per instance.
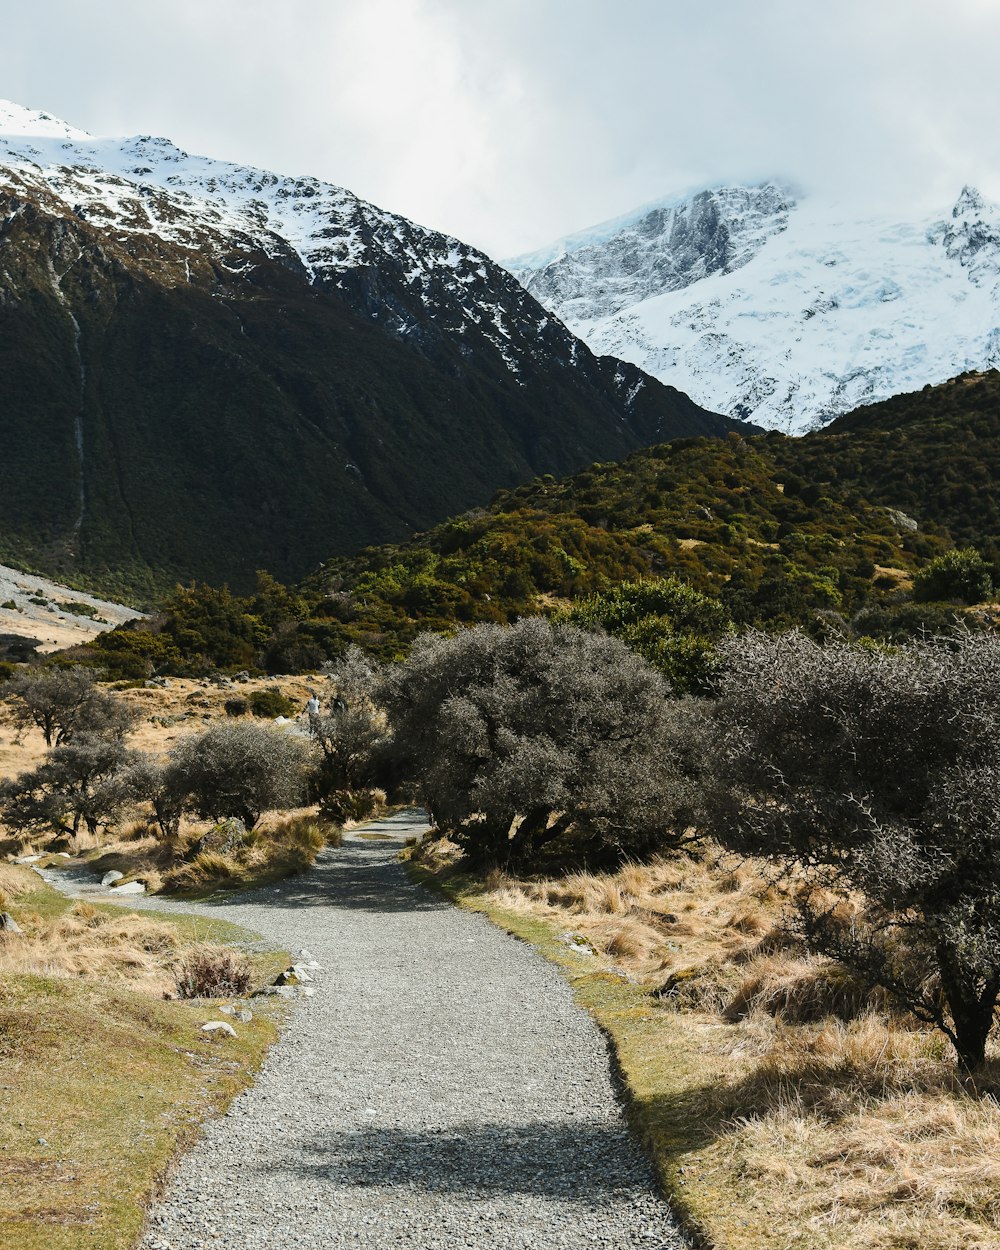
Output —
(511, 122)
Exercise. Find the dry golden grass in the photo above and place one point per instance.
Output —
(693, 911)
(83, 942)
(95, 945)
(787, 1109)
(186, 706)
(106, 1077)
(279, 847)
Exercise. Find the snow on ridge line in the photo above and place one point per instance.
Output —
(117, 173)
(15, 119)
(604, 231)
(144, 186)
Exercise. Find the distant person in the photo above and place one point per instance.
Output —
(312, 705)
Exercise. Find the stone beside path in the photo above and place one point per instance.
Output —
(440, 1089)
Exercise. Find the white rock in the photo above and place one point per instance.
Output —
(218, 1026)
(130, 887)
(29, 859)
(111, 877)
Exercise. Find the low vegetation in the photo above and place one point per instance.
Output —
(105, 1069)
(709, 735)
(784, 1103)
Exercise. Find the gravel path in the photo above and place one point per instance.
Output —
(441, 1089)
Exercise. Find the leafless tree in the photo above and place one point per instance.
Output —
(84, 782)
(65, 702)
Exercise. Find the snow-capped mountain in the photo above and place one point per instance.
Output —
(210, 368)
(781, 309)
(143, 188)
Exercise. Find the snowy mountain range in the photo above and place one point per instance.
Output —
(210, 368)
(777, 308)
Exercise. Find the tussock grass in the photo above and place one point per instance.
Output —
(280, 847)
(105, 1079)
(785, 1107)
(212, 972)
(277, 849)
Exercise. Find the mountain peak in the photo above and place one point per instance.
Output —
(661, 247)
(16, 120)
(201, 359)
(784, 312)
(969, 201)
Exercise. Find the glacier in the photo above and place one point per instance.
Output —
(779, 308)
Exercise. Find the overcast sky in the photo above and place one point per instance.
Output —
(512, 122)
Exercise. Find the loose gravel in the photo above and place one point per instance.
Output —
(440, 1089)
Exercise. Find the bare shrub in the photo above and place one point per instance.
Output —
(540, 742)
(240, 769)
(213, 972)
(86, 783)
(876, 774)
(63, 703)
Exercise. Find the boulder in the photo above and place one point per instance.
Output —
(111, 877)
(130, 887)
(578, 943)
(218, 1026)
(222, 838)
(9, 925)
(289, 977)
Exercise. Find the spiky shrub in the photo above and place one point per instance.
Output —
(340, 806)
(877, 774)
(213, 972)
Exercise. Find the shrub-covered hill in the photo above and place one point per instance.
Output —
(814, 531)
(721, 517)
(934, 454)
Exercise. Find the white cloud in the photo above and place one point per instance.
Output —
(513, 121)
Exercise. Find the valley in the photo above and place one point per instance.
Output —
(637, 598)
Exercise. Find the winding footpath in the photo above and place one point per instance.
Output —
(441, 1089)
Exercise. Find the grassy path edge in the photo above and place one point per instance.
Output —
(108, 1087)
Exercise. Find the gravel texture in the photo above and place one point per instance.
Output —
(440, 1089)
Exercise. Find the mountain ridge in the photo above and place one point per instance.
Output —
(211, 368)
(794, 314)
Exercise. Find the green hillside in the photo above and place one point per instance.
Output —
(826, 531)
(934, 454)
